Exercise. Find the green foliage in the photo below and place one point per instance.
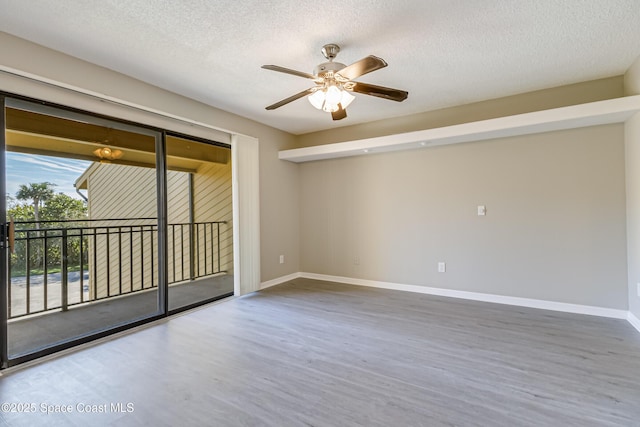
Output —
(38, 193)
(21, 213)
(57, 210)
(63, 207)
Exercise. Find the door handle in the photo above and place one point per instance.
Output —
(11, 234)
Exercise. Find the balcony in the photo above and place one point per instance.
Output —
(72, 278)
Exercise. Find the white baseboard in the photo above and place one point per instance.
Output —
(279, 280)
(476, 296)
(635, 322)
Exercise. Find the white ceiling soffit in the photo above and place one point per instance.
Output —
(609, 111)
(444, 53)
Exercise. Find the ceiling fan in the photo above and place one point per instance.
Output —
(335, 82)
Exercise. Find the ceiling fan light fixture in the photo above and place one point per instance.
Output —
(330, 99)
(326, 99)
(107, 153)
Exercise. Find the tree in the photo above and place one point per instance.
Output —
(38, 193)
(62, 207)
(57, 209)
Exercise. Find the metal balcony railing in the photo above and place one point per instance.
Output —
(58, 264)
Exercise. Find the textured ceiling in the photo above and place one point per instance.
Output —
(443, 52)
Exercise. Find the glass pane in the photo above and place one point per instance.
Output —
(81, 193)
(200, 230)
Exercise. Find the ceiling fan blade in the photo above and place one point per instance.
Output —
(362, 67)
(289, 71)
(339, 114)
(380, 91)
(291, 98)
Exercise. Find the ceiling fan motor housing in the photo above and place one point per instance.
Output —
(325, 67)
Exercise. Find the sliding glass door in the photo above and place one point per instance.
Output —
(83, 225)
(200, 228)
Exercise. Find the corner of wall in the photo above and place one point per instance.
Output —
(635, 322)
(632, 79)
(632, 165)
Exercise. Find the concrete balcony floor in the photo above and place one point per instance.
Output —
(31, 333)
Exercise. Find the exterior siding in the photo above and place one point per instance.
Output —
(129, 192)
(213, 202)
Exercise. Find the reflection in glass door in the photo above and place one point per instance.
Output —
(82, 209)
(200, 229)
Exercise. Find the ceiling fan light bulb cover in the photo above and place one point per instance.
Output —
(346, 99)
(334, 95)
(317, 99)
(330, 108)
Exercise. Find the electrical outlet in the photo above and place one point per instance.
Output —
(442, 267)
(281, 259)
(638, 289)
(356, 260)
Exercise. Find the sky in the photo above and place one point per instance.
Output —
(30, 168)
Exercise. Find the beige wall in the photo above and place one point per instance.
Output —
(279, 213)
(554, 229)
(278, 180)
(632, 145)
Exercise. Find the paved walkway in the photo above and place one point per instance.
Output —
(54, 291)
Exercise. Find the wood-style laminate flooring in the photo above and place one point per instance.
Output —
(311, 353)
